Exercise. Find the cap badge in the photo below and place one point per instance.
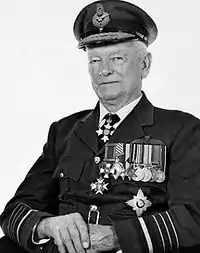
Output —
(139, 203)
(100, 18)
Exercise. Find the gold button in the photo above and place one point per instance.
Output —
(97, 159)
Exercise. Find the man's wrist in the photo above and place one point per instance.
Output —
(103, 238)
(40, 234)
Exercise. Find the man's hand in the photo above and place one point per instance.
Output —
(68, 231)
(103, 238)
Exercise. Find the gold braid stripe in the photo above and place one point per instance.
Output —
(104, 37)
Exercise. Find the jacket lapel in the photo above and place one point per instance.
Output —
(133, 126)
(86, 129)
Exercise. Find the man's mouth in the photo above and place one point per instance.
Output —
(111, 82)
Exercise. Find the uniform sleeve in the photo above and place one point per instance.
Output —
(179, 226)
(35, 198)
(35, 239)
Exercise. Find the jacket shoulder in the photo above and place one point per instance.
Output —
(74, 117)
(69, 122)
(66, 124)
(177, 117)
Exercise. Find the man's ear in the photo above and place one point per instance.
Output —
(146, 65)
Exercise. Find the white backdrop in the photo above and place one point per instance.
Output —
(43, 76)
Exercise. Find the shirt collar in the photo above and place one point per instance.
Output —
(122, 113)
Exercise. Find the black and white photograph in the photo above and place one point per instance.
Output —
(100, 126)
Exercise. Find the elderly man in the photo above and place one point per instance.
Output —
(124, 176)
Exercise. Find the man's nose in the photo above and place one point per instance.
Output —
(106, 69)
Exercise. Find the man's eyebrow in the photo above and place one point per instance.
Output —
(120, 52)
(94, 56)
(116, 52)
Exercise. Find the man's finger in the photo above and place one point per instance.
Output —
(83, 231)
(75, 237)
(66, 239)
(59, 243)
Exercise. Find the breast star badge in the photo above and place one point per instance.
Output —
(139, 203)
(99, 186)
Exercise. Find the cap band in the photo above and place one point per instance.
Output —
(110, 37)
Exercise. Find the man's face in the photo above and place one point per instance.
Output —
(116, 71)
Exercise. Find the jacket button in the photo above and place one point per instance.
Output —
(97, 159)
(61, 175)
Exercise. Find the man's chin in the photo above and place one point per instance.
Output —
(109, 97)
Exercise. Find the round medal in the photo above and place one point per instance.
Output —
(131, 173)
(153, 175)
(160, 176)
(139, 174)
(106, 131)
(147, 175)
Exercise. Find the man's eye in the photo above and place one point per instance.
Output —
(94, 61)
(117, 58)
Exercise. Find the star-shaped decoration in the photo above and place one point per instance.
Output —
(131, 173)
(102, 170)
(99, 186)
(107, 126)
(105, 138)
(123, 175)
(99, 131)
(108, 165)
(139, 203)
(117, 169)
(109, 121)
(105, 170)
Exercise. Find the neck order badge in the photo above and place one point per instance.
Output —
(106, 127)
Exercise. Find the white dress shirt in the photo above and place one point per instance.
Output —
(122, 113)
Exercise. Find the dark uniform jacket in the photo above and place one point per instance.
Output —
(59, 182)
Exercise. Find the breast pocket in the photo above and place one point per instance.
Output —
(69, 171)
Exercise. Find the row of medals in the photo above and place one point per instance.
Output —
(136, 172)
